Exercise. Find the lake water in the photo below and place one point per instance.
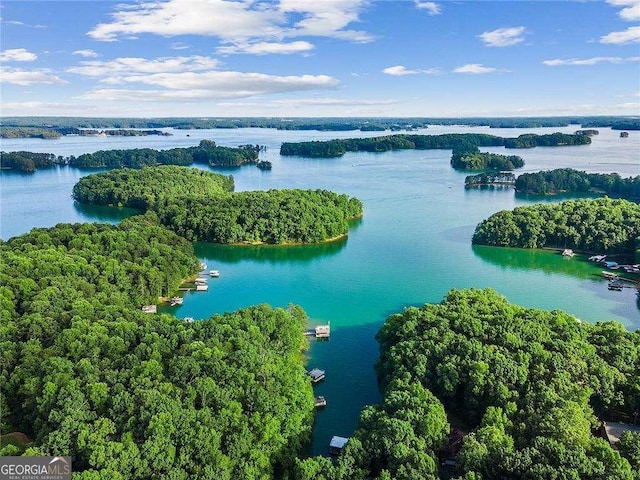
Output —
(411, 247)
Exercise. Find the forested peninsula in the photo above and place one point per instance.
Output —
(523, 389)
(449, 141)
(130, 395)
(200, 206)
(602, 225)
(563, 180)
(207, 153)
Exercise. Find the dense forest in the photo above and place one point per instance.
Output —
(144, 188)
(448, 141)
(599, 226)
(131, 395)
(469, 157)
(523, 387)
(326, 123)
(199, 206)
(570, 180)
(207, 153)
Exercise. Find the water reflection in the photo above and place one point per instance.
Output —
(546, 260)
(268, 253)
(105, 213)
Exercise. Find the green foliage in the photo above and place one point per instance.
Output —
(602, 225)
(274, 216)
(472, 159)
(489, 178)
(135, 396)
(207, 153)
(569, 180)
(524, 380)
(145, 188)
(27, 162)
(462, 143)
(530, 140)
(199, 206)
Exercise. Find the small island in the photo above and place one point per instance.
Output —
(567, 180)
(597, 226)
(200, 206)
(207, 153)
(469, 157)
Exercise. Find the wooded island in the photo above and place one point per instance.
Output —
(599, 226)
(199, 206)
(207, 153)
(448, 141)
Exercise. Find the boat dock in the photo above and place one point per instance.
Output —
(321, 331)
(316, 375)
(320, 402)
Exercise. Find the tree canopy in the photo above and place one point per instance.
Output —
(131, 395)
(200, 206)
(448, 141)
(601, 226)
(523, 388)
(569, 180)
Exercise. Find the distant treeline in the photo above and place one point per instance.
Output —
(207, 152)
(324, 123)
(57, 132)
(600, 226)
(450, 141)
(569, 180)
(199, 206)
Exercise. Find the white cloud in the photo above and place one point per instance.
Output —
(590, 61)
(631, 10)
(432, 8)
(17, 55)
(503, 37)
(263, 48)
(29, 77)
(475, 68)
(399, 70)
(325, 18)
(178, 46)
(630, 35)
(235, 21)
(136, 65)
(85, 53)
(193, 86)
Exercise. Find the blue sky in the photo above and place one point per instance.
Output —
(215, 58)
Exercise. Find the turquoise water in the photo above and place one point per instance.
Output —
(411, 247)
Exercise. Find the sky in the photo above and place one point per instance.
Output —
(305, 58)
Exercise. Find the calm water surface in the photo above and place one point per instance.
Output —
(411, 247)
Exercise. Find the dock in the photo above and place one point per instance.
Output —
(316, 375)
(320, 402)
(337, 444)
(321, 331)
